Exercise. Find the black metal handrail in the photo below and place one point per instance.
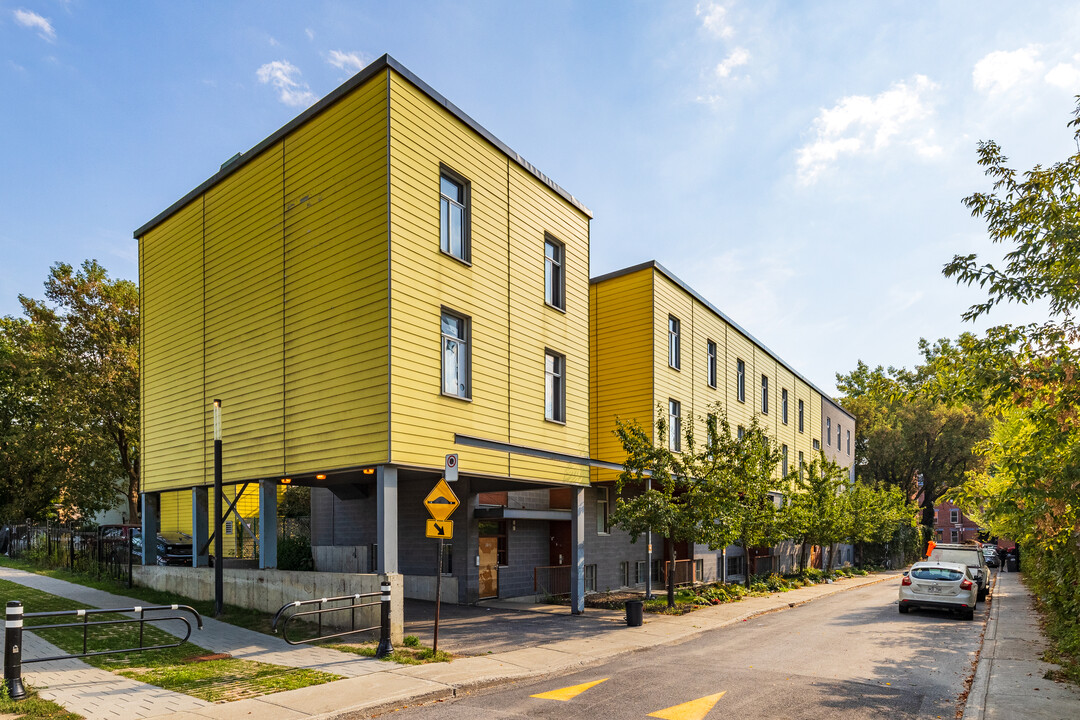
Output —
(384, 617)
(13, 630)
(86, 624)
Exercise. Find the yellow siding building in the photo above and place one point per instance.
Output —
(379, 283)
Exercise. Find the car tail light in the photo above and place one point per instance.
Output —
(906, 580)
(965, 584)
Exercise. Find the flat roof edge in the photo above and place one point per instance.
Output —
(382, 63)
(653, 264)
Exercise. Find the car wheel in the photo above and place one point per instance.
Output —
(968, 614)
(904, 609)
(983, 592)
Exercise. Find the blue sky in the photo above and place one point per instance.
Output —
(801, 164)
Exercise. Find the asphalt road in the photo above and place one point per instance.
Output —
(851, 655)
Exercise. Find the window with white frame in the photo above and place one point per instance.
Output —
(454, 215)
(455, 355)
(801, 416)
(740, 380)
(673, 341)
(783, 405)
(817, 444)
(590, 578)
(765, 394)
(710, 363)
(954, 516)
(554, 387)
(603, 527)
(955, 535)
(554, 273)
(674, 426)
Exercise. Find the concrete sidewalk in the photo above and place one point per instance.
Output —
(1010, 678)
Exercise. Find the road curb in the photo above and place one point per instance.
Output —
(975, 707)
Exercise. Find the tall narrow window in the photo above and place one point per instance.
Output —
(740, 380)
(454, 215)
(783, 405)
(710, 430)
(674, 426)
(783, 460)
(839, 443)
(740, 432)
(828, 432)
(455, 355)
(800, 416)
(801, 464)
(765, 394)
(554, 387)
(673, 341)
(710, 367)
(554, 273)
(848, 442)
(603, 527)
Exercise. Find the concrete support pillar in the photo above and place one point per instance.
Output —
(577, 534)
(200, 526)
(151, 520)
(268, 492)
(387, 481)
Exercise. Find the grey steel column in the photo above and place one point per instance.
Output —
(200, 527)
(268, 524)
(151, 510)
(219, 545)
(577, 532)
(387, 481)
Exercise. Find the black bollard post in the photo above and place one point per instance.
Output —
(13, 650)
(385, 648)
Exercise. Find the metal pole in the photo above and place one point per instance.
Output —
(219, 578)
(438, 598)
(385, 648)
(648, 550)
(130, 535)
(13, 650)
(71, 548)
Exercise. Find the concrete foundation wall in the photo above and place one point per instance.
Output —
(268, 590)
(422, 587)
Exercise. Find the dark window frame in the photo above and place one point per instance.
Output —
(466, 361)
(710, 363)
(466, 206)
(559, 406)
(674, 342)
(555, 273)
(740, 380)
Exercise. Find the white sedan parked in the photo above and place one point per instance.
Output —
(941, 585)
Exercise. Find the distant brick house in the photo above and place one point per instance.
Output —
(952, 526)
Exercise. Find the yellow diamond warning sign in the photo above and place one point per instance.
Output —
(440, 529)
(441, 502)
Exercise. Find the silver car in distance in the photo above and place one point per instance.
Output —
(940, 585)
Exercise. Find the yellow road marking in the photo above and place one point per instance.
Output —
(693, 710)
(567, 693)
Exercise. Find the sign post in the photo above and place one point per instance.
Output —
(441, 503)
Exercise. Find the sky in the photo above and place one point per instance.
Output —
(800, 164)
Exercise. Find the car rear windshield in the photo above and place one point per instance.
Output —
(967, 557)
(936, 574)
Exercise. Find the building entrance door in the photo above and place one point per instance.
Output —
(489, 567)
(560, 552)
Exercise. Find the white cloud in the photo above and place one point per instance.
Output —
(739, 56)
(714, 19)
(286, 78)
(310, 33)
(1065, 76)
(1000, 70)
(34, 21)
(273, 41)
(863, 125)
(350, 62)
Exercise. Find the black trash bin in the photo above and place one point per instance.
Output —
(1012, 564)
(635, 611)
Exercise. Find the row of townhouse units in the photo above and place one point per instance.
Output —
(382, 282)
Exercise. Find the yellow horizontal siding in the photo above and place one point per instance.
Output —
(172, 351)
(244, 295)
(336, 295)
(423, 281)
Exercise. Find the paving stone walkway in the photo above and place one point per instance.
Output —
(94, 693)
(217, 636)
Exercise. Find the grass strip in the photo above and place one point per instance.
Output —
(34, 707)
(174, 668)
(409, 652)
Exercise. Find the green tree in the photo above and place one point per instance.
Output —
(816, 507)
(84, 340)
(909, 436)
(758, 519)
(684, 496)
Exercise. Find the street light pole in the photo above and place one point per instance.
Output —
(219, 578)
